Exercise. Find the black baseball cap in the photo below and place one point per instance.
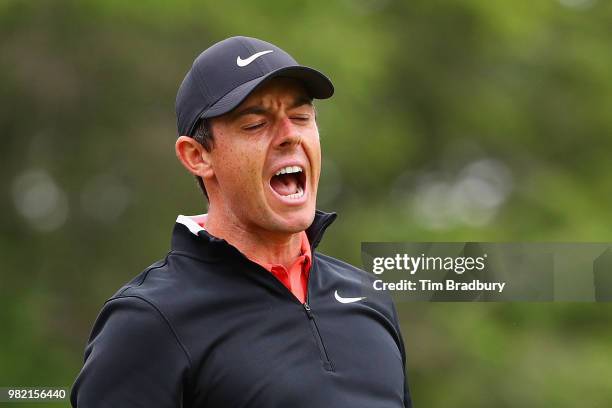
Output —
(223, 76)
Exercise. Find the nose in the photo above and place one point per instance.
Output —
(288, 134)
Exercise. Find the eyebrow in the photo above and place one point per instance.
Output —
(260, 110)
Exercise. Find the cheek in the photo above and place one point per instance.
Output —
(315, 157)
(238, 165)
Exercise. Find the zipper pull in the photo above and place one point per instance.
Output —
(308, 310)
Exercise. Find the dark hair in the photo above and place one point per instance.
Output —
(204, 136)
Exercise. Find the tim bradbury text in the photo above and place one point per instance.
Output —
(448, 285)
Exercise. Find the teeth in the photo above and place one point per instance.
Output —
(289, 170)
(299, 193)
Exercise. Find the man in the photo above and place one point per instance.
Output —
(243, 311)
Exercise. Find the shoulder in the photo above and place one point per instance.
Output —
(132, 341)
(339, 265)
(156, 289)
(175, 285)
(164, 282)
(143, 310)
(343, 270)
(143, 280)
(143, 295)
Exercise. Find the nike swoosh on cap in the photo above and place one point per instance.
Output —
(347, 299)
(244, 62)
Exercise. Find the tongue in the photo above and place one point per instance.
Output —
(284, 184)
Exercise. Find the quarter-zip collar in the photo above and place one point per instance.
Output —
(188, 237)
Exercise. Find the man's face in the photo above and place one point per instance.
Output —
(272, 132)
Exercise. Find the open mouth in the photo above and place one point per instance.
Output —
(289, 182)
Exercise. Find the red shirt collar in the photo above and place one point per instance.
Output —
(295, 278)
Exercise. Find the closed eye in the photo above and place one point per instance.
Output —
(300, 118)
(254, 126)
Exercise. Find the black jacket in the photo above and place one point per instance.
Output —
(206, 327)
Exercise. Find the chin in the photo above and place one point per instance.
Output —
(297, 222)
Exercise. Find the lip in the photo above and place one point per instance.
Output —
(286, 200)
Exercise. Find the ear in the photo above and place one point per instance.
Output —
(193, 157)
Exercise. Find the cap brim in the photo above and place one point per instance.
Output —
(317, 85)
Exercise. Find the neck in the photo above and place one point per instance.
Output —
(257, 244)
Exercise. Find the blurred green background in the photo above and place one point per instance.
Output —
(473, 120)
